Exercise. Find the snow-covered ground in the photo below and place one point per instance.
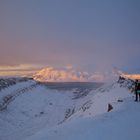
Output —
(122, 124)
(40, 113)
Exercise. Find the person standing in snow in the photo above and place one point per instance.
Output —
(137, 90)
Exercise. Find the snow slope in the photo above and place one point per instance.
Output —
(117, 125)
(96, 123)
(28, 107)
(40, 113)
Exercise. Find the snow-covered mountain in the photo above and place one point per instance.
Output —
(50, 74)
(30, 110)
(56, 75)
(133, 75)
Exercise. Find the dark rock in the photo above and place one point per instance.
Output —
(41, 112)
(120, 100)
(110, 107)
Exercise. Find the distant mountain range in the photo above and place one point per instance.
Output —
(51, 74)
(69, 74)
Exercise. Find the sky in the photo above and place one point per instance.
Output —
(92, 35)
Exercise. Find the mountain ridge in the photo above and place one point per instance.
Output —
(50, 74)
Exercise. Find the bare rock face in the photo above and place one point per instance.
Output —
(110, 107)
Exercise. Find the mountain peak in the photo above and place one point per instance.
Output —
(51, 74)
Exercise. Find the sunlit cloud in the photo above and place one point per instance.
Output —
(19, 70)
(20, 67)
